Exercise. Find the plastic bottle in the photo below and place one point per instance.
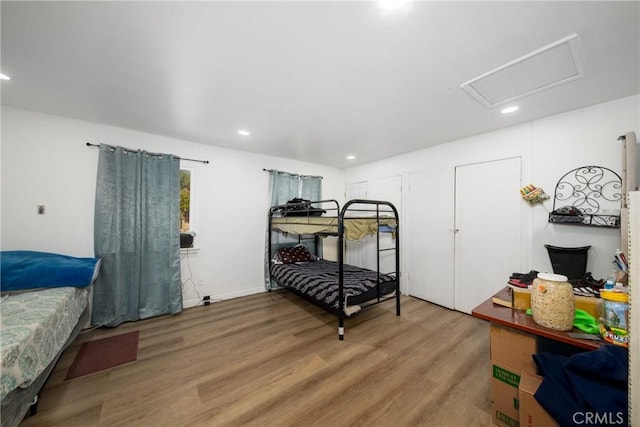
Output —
(611, 279)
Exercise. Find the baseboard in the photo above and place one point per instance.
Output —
(193, 302)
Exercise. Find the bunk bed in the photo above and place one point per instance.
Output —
(45, 304)
(338, 287)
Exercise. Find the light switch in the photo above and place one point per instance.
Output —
(40, 209)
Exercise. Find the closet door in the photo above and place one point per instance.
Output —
(430, 236)
(489, 240)
(387, 189)
(356, 190)
(363, 252)
(354, 252)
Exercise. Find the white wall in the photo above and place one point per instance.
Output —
(567, 141)
(549, 148)
(45, 162)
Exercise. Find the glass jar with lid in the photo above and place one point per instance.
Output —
(553, 302)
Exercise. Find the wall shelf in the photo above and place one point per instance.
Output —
(611, 221)
(588, 196)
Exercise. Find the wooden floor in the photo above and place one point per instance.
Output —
(273, 359)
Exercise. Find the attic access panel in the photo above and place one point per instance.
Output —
(552, 65)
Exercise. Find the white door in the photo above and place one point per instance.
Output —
(363, 253)
(488, 240)
(356, 190)
(430, 236)
(387, 189)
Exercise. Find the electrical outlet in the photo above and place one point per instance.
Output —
(206, 299)
(40, 209)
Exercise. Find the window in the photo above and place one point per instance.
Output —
(186, 201)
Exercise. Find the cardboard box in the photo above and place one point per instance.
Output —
(505, 399)
(531, 413)
(513, 349)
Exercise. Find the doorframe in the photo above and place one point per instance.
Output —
(526, 215)
(525, 225)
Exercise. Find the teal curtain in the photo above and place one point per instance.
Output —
(137, 236)
(310, 187)
(284, 186)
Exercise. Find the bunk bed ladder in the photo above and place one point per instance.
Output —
(379, 250)
(395, 248)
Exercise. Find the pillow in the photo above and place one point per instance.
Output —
(298, 253)
(21, 270)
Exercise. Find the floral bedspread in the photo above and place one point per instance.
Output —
(35, 326)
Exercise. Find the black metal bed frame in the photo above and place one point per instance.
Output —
(374, 207)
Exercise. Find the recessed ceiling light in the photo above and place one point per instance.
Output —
(509, 110)
(351, 157)
(244, 132)
(392, 5)
(4, 77)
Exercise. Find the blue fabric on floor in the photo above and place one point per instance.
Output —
(590, 385)
(21, 270)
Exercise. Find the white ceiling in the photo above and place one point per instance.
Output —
(312, 81)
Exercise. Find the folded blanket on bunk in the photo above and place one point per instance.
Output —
(300, 207)
(20, 270)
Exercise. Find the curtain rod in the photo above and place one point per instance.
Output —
(293, 174)
(181, 158)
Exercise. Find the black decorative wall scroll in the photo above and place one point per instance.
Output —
(588, 195)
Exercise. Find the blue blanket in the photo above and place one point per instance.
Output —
(20, 270)
(588, 388)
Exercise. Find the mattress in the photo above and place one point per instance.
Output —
(318, 281)
(355, 228)
(35, 327)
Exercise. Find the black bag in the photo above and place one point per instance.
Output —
(301, 207)
(567, 214)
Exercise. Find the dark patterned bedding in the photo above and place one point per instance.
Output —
(318, 281)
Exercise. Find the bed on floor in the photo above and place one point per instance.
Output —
(341, 288)
(44, 306)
